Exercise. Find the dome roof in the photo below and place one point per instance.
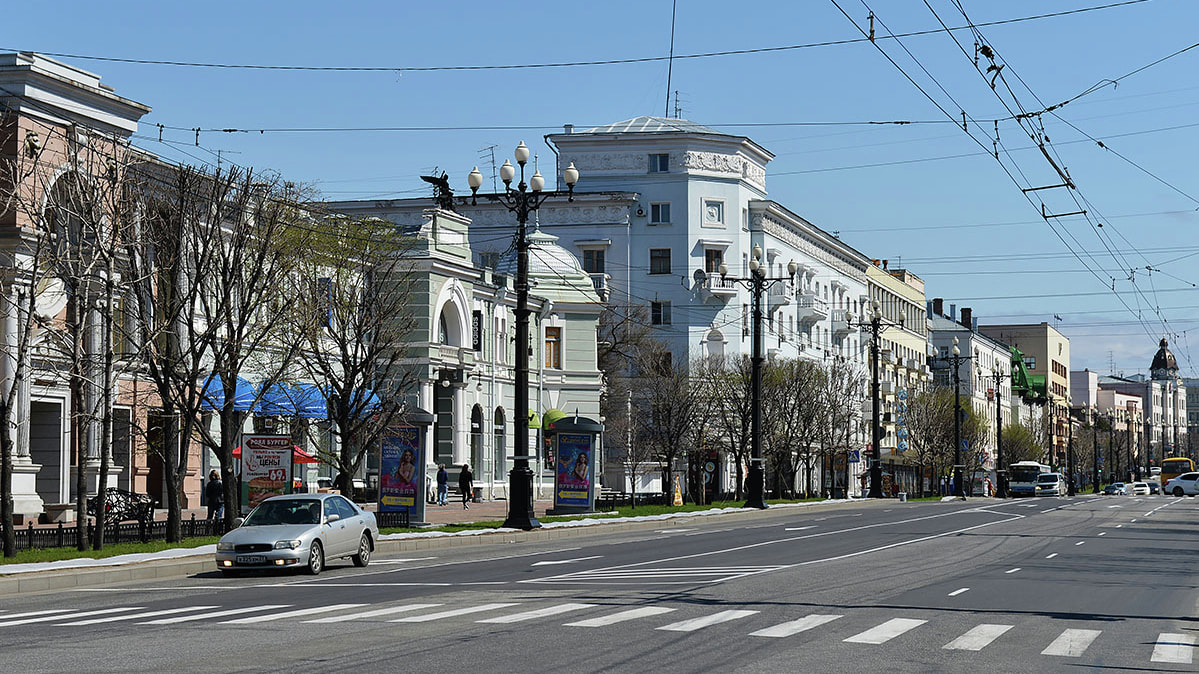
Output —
(546, 259)
(647, 124)
(1163, 359)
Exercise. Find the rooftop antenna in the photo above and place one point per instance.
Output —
(488, 154)
(678, 112)
(674, 6)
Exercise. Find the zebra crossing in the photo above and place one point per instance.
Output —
(1169, 647)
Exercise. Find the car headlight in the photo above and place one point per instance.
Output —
(224, 546)
(287, 545)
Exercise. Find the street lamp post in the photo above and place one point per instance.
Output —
(1000, 472)
(955, 359)
(1096, 479)
(875, 324)
(1071, 489)
(757, 282)
(523, 200)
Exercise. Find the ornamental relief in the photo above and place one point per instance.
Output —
(712, 161)
(610, 161)
(788, 236)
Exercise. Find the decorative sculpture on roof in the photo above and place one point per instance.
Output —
(442, 194)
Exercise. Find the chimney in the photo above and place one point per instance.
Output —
(938, 306)
(967, 315)
(953, 312)
(568, 129)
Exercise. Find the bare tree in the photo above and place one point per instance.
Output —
(669, 405)
(354, 316)
(792, 416)
(842, 390)
(930, 428)
(729, 386)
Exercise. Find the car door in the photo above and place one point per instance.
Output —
(335, 531)
(355, 522)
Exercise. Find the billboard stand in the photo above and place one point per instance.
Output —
(266, 465)
(575, 441)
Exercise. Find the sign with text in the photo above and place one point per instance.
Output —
(573, 482)
(400, 470)
(265, 468)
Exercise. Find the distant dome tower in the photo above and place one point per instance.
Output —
(1164, 366)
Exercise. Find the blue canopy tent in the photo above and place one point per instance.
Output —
(294, 400)
(213, 395)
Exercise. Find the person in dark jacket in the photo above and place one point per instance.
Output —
(466, 483)
(443, 483)
(214, 492)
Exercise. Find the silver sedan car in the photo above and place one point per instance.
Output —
(298, 531)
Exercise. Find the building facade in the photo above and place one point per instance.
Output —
(1046, 355)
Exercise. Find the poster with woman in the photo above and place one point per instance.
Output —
(574, 470)
(400, 470)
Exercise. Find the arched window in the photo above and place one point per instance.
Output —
(499, 447)
(443, 331)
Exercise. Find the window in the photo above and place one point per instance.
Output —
(1030, 362)
(593, 261)
(713, 212)
(659, 214)
(659, 260)
(659, 163)
(659, 313)
(553, 347)
(712, 260)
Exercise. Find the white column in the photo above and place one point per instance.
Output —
(26, 501)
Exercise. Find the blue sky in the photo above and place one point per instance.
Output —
(923, 195)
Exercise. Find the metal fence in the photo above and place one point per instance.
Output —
(389, 520)
(36, 538)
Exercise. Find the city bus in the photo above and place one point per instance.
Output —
(1172, 468)
(1022, 477)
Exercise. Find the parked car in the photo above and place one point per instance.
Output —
(298, 531)
(1116, 488)
(1050, 484)
(1139, 489)
(1185, 484)
(1155, 470)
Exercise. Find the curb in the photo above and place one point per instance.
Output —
(44, 581)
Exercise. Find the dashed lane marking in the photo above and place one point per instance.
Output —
(1071, 643)
(136, 616)
(538, 613)
(69, 616)
(621, 616)
(706, 621)
(977, 638)
(390, 610)
(885, 632)
(215, 614)
(452, 613)
(795, 626)
(959, 591)
(290, 614)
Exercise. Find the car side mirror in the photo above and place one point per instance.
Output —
(333, 518)
(238, 522)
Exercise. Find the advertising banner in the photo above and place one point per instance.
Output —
(573, 483)
(401, 471)
(265, 468)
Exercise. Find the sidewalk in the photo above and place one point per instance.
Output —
(484, 511)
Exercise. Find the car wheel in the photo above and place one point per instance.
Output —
(364, 551)
(1178, 491)
(316, 559)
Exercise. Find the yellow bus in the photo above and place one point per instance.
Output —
(1172, 468)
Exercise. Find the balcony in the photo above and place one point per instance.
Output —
(718, 286)
(600, 281)
(811, 308)
(841, 326)
(779, 294)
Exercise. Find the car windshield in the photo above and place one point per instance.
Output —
(1047, 477)
(285, 511)
(1024, 474)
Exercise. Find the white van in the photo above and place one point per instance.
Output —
(1051, 484)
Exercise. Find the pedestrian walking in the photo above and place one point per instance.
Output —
(466, 483)
(214, 492)
(443, 483)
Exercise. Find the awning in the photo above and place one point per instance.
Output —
(293, 400)
(213, 395)
(575, 424)
(297, 455)
(534, 420)
(550, 417)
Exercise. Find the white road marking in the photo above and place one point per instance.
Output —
(289, 614)
(33, 613)
(706, 621)
(1071, 643)
(390, 610)
(565, 561)
(539, 613)
(959, 591)
(1132, 520)
(672, 531)
(1048, 511)
(977, 638)
(886, 631)
(1176, 648)
(135, 616)
(69, 616)
(1102, 533)
(799, 528)
(1118, 526)
(1079, 543)
(1012, 570)
(217, 614)
(401, 561)
(428, 617)
(621, 616)
(795, 626)
(1051, 555)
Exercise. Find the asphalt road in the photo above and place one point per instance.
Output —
(1083, 584)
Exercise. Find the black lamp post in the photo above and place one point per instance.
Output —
(522, 201)
(955, 359)
(875, 324)
(757, 282)
(1000, 471)
(1071, 490)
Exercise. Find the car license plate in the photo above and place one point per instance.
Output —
(251, 559)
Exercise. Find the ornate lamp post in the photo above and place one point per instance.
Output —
(955, 359)
(757, 282)
(875, 324)
(523, 200)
